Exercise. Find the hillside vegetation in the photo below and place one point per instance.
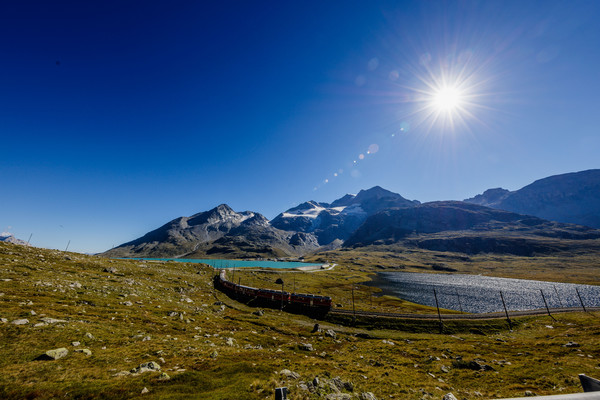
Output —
(136, 329)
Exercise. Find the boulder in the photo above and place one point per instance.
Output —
(331, 333)
(449, 396)
(306, 347)
(23, 321)
(53, 354)
(289, 374)
(145, 367)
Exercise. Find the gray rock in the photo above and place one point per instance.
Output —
(331, 333)
(3, 320)
(214, 354)
(367, 396)
(145, 390)
(449, 396)
(145, 367)
(89, 336)
(289, 374)
(48, 320)
(568, 344)
(164, 377)
(306, 347)
(75, 344)
(259, 313)
(110, 270)
(53, 354)
(87, 352)
(230, 341)
(316, 328)
(316, 382)
(529, 393)
(23, 321)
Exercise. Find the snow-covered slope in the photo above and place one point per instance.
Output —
(339, 219)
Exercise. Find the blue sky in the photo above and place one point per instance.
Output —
(116, 117)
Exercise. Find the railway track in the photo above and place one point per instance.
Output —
(494, 315)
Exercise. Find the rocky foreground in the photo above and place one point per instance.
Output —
(77, 326)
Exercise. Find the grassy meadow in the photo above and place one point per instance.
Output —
(208, 346)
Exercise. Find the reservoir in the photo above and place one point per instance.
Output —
(239, 263)
(478, 294)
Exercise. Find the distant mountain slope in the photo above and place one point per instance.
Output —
(570, 198)
(8, 238)
(338, 220)
(463, 227)
(217, 231)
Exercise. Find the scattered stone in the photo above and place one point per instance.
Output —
(289, 374)
(54, 354)
(331, 333)
(87, 352)
(473, 365)
(444, 369)
(367, 396)
(259, 313)
(449, 396)
(89, 336)
(145, 390)
(218, 303)
(48, 320)
(122, 373)
(316, 382)
(316, 328)
(230, 341)
(3, 320)
(110, 270)
(306, 347)
(145, 367)
(529, 393)
(214, 354)
(164, 377)
(20, 321)
(126, 303)
(162, 360)
(33, 313)
(568, 344)
(76, 285)
(75, 344)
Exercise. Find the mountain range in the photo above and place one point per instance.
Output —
(497, 221)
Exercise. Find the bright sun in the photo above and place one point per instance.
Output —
(447, 99)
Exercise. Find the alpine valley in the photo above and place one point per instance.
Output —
(554, 214)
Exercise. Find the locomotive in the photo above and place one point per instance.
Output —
(309, 304)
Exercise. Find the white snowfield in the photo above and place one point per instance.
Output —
(317, 209)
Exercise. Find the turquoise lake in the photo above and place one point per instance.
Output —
(237, 263)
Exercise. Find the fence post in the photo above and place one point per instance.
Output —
(438, 310)
(505, 310)
(580, 300)
(556, 291)
(458, 297)
(546, 304)
(353, 309)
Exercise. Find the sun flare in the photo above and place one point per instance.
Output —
(447, 99)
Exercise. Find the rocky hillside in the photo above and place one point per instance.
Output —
(220, 231)
(467, 228)
(8, 238)
(571, 198)
(338, 220)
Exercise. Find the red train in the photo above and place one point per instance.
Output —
(296, 302)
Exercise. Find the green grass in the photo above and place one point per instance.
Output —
(531, 357)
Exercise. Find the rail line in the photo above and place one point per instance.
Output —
(494, 315)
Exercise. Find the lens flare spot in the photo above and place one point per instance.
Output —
(361, 157)
(374, 148)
